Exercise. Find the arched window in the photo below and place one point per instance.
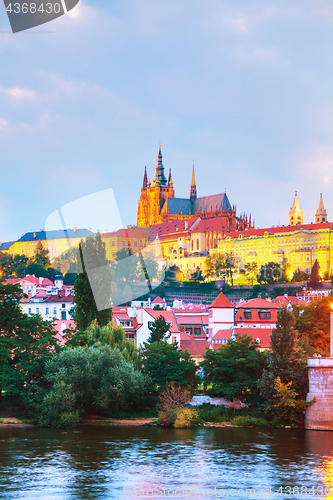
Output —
(197, 244)
(192, 245)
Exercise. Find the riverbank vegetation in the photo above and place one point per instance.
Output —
(98, 371)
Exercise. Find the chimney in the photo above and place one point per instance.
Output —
(40, 280)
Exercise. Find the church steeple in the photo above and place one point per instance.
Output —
(296, 213)
(321, 214)
(145, 180)
(193, 193)
(159, 179)
(170, 183)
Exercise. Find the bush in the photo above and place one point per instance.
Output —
(211, 413)
(186, 417)
(95, 379)
(245, 421)
(172, 399)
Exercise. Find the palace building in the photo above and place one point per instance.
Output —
(158, 203)
(298, 244)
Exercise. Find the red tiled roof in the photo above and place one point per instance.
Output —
(168, 316)
(190, 320)
(281, 299)
(158, 300)
(221, 302)
(258, 304)
(59, 298)
(194, 347)
(280, 229)
(256, 333)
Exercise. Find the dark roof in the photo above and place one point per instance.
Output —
(212, 203)
(55, 235)
(6, 245)
(179, 205)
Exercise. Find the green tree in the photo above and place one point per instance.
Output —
(251, 271)
(290, 409)
(97, 379)
(197, 275)
(285, 360)
(173, 273)
(270, 273)
(315, 278)
(164, 363)
(13, 266)
(41, 256)
(158, 330)
(26, 342)
(233, 369)
(92, 256)
(111, 335)
(300, 276)
(313, 324)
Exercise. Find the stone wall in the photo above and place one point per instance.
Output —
(319, 415)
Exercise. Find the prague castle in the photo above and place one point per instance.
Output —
(158, 203)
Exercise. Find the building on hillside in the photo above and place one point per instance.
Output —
(186, 243)
(146, 317)
(31, 283)
(56, 242)
(221, 315)
(193, 321)
(126, 317)
(256, 313)
(158, 203)
(297, 244)
(49, 306)
(133, 238)
(6, 246)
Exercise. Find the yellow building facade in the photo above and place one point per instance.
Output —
(56, 242)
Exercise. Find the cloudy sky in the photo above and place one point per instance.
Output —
(243, 88)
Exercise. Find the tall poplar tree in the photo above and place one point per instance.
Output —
(95, 275)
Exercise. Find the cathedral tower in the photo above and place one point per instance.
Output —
(153, 196)
(296, 213)
(321, 215)
(193, 193)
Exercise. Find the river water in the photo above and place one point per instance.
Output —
(136, 462)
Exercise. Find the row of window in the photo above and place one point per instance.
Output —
(47, 312)
(189, 330)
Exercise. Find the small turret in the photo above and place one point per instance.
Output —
(193, 192)
(321, 215)
(296, 213)
(170, 183)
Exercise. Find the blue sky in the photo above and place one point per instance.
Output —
(245, 89)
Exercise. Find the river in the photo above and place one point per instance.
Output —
(91, 463)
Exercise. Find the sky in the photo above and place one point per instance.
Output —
(243, 89)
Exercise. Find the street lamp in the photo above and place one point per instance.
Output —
(331, 343)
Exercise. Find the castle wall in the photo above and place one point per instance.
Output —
(319, 415)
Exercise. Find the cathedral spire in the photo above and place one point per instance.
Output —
(321, 214)
(170, 183)
(193, 192)
(159, 179)
(145, 180)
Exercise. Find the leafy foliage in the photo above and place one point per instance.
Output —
(92, 256)
(96, 379)
(111, 335)
(313, 324)
(315, 278)
(290, 410)
(158, 330)
(186, 417)
(220, 266)
(285, 361)
(233, 369)
(164, 363)
(270, 273)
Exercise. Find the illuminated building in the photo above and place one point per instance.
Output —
(133, 238)
(57, 242)
(158, 204)
(299, 244)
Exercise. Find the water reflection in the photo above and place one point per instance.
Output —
(122, 462)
